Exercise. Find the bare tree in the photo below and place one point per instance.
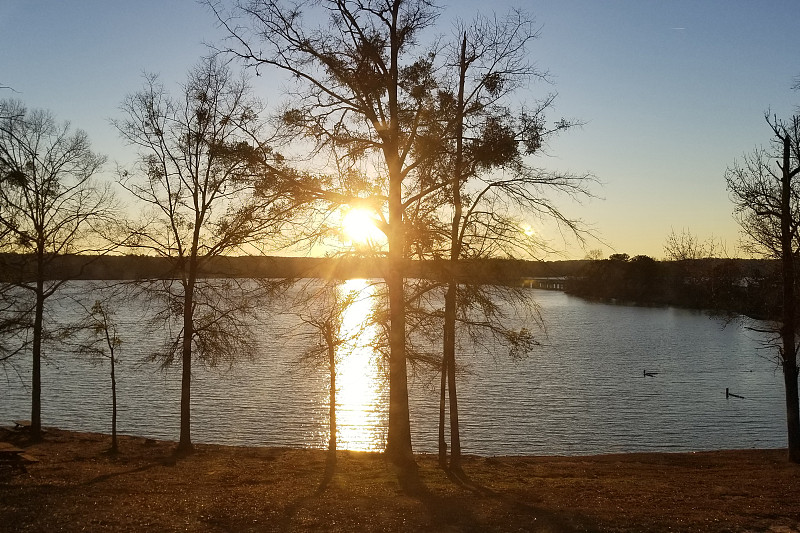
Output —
(5, 111)
(203, 177)
(484, 147)
(595, 254)
(322, 308)
(766, 195)
(686, 246)
(49, 207)
(97, 335)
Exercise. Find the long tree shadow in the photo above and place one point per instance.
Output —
(330, 470)
(410, 480)
(459, 511)
(150, 460)
(456, 510)
(457, 475)
(290, 511)
(444, 511)
(112, 475)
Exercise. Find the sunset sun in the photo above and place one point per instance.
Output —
(358, 225)
(528, 230)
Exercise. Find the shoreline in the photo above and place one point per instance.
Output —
(6, 430)
(10, 430)
(73, 484)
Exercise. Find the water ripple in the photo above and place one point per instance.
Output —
(583, 392)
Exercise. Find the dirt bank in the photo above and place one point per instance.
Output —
(74, 486)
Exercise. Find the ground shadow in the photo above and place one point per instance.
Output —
(455, 510)
(330, 470)
(112, 475)
(458, 511)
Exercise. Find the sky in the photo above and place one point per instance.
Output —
(670, 92)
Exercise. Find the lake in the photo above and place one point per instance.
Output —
(583, 391)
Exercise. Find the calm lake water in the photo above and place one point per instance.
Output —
(582, 392)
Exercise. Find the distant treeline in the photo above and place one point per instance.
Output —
(133, 267)
(745, 286)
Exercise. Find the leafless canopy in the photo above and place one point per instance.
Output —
(754, 184)
(50, 203)
(49, 206)
(48, 199)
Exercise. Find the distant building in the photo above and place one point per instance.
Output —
(551, 283)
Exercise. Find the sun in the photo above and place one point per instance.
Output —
(528, 230)
(358, 225)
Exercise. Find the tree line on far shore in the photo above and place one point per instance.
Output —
(129, 267)
(748, 287)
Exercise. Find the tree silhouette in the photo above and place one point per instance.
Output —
(686, 246)
(766, 195)
(204, 181)
(322, 309)
(484, 146)
(49, 206)
(98, 337)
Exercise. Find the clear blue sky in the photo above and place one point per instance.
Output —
(672, 92)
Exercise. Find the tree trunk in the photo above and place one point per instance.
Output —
(789, 350)
(185, 442)
(114, 447)
(442, 420)
(450, 357)
(450, 305)
(332, 408)
(36, 374)
(398, 442)
(792, 411)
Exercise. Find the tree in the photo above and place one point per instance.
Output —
(485, 148)
(686, 246)
(328, 305)
(202, 177)
(595, 254)
(49, 206)
(766, 196)
(103, 342)
(363, 90)
(683, 246)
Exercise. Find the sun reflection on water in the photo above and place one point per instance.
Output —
(360, 392)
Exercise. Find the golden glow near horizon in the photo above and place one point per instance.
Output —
(358, 225)
(360, 398)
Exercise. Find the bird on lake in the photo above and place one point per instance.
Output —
(729, 394)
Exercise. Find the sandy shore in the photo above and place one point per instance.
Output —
(73, 485)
